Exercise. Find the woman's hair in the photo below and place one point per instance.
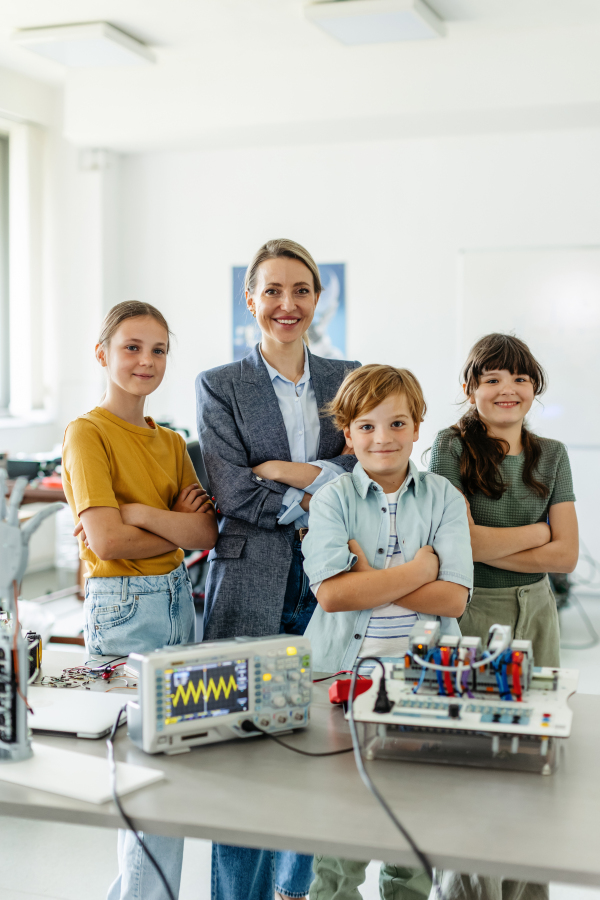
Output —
(130, 309)
(365, 388)
(483, 454)
(275, 250)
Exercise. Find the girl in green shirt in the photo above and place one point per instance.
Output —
(519, 495)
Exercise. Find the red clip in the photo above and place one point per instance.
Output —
(340, 690)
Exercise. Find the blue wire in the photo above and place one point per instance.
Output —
(423, 671)
(437, 658)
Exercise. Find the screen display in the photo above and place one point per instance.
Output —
(214, 689)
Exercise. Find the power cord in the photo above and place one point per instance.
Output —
(360, 765)
(110, 743)
(250, 727)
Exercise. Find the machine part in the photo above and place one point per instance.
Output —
(15, 743)
(34, 647)
(199, 694)
(458, 666)
(517, 732)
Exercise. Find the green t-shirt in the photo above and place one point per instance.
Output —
(517, 506)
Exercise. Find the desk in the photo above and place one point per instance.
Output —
(255, 793)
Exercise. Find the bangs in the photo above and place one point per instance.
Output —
(495, 352)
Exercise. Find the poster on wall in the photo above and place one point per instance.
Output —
(327, 333)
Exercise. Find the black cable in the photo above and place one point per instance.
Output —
(360, 765)
(296, 749)
(110, 743)
(335, 674)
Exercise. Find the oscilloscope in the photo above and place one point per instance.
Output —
(195, 694)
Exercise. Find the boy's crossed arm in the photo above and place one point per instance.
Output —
(413, 585)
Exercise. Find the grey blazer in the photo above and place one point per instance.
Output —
(240, 426)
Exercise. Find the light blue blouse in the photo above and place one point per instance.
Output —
(298, 406)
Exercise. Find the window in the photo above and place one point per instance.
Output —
(4, 297)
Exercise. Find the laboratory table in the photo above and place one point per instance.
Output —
(256, 793)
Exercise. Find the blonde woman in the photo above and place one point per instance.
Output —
(266, 450)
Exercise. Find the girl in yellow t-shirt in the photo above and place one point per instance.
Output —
(132, 489)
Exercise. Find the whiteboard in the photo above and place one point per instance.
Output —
(551, 299)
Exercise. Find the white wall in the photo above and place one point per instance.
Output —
(397, 213)
(64, 236)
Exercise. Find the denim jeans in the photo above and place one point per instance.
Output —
(299, 602)
(239, 873)
(141, 614)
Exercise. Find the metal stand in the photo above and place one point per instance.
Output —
(15, 743)
(523, 753)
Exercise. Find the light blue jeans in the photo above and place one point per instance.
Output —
(141, 614)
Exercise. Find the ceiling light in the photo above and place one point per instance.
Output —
(375, 21)
(91, 44)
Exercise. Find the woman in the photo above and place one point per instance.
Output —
(266, 451)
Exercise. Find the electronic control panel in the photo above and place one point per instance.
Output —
(542, 711)
(457, 701)
(196, 694)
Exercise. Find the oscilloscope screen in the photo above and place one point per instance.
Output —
(214, 689)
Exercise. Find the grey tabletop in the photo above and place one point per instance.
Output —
(255, 793)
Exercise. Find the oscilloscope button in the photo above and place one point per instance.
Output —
(293, 676)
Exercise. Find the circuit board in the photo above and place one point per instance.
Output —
(543, 710)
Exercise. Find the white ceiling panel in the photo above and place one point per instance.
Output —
(235, 71)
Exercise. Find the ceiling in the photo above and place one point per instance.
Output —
(232, 72)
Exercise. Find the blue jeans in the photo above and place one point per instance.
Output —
(239, 873)
(141, 614)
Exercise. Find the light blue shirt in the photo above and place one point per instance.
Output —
(300, 412)
(430, 511)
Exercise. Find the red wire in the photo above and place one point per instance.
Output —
(516, 676)
(447, 678)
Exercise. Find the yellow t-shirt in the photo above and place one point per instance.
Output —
(108, 462)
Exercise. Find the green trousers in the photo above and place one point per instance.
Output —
(339, 879)
(530, 611)
(481, 887)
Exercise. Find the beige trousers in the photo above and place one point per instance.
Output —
(530, 611)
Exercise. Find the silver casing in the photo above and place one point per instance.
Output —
(279, 689)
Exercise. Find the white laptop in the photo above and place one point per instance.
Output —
(74, 712)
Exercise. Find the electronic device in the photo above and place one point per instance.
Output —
(15, 743)
(73, 713)
(453, 701)
(196, 694)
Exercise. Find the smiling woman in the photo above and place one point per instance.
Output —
(266, 450)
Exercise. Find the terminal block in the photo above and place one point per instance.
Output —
(457, 666)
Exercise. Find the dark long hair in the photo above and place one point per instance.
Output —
(483, 454)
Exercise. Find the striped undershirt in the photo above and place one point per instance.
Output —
(389, 625)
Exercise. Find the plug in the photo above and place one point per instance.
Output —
(383, 704)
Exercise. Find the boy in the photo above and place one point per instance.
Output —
(387, 544)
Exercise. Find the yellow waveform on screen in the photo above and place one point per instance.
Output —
(195, 691)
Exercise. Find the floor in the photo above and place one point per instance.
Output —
(42, 853)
